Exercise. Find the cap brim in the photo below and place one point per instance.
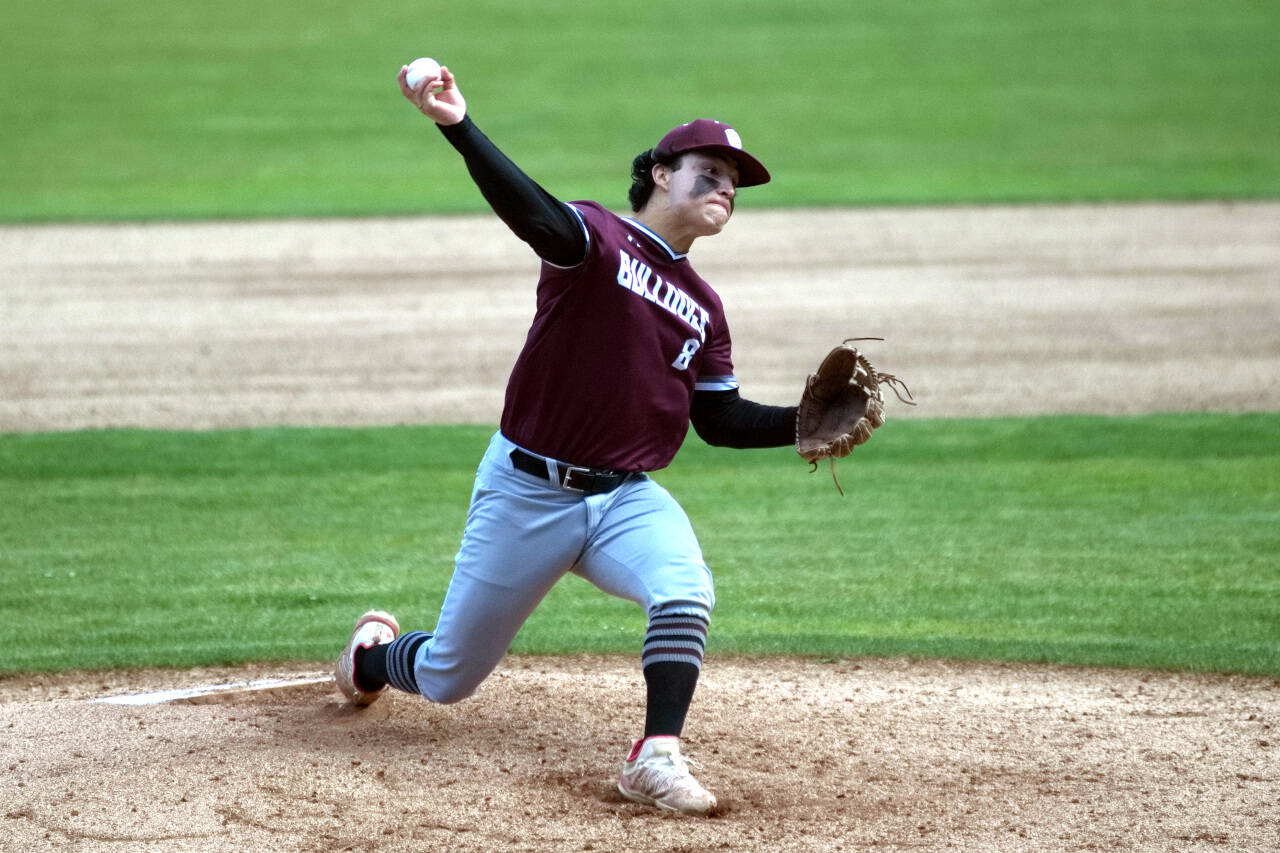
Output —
(751, 172)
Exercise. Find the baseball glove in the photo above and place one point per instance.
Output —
(842, 404)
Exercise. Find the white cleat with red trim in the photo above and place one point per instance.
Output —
(656, 774)
(374, 628)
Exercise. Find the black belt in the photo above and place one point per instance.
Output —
(572, 478)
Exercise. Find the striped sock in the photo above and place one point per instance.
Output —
(676, 637)
(672, 661)
(401, 653)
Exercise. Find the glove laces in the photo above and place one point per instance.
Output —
(886, 379)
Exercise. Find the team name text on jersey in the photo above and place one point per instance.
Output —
(636, 275)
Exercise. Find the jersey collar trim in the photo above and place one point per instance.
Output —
(675, 256)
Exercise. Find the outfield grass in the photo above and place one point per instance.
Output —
(144, 110)
(1149, 541)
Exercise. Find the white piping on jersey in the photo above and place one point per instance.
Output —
(675, 256)
(716, 383)
(582, 223)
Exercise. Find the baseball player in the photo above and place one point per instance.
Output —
(627, 348)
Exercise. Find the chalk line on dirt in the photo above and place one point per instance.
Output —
(158, 697)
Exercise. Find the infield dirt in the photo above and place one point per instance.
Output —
(987, 311)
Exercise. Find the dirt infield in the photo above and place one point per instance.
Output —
(1106, 309)
(985, 311)
(805, 756)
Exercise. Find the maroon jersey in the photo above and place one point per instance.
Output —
(617, 347)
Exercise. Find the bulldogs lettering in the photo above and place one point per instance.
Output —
(635, 276)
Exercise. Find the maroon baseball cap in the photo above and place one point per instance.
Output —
(705, 134)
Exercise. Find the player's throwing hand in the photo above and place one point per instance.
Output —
(438, 98)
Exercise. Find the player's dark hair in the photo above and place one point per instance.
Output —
(642, 176)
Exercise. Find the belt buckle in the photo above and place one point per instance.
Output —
(569, 471)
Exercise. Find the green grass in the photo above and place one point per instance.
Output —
(145, 110)
(1149, 541)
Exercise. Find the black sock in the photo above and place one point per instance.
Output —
(371, 667)
(390, 663)
(670, 692)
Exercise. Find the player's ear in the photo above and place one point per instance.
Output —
(661, 176)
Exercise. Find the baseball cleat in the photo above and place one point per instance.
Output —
(656, 774)
(374, 628)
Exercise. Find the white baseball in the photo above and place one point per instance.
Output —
(421, 69)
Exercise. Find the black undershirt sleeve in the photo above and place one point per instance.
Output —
(724, 419)
(532, 213)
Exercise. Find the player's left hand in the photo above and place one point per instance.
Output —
(439, 98)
